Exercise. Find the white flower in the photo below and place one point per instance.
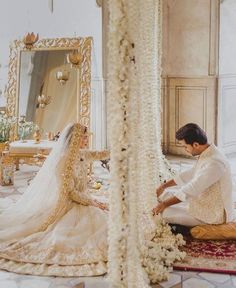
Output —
(6, 124)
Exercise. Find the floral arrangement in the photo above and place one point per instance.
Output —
(25, 128)
(141, 247)
(160, 252)
(6, 124)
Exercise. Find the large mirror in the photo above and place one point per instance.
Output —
(48, 89)
(45, 87)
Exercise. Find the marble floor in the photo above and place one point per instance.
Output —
(177, 279)
(11, 280)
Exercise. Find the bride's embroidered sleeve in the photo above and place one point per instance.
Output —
(80, 194)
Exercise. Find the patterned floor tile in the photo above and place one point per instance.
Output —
(197, 283)
(213, 277)
(177, 286)
(81, 285)
(9, 284)
(60, 286)
(173, 280)
(155, 286)
(233, 278)
(91, 282)
(186, 274)
(33, 283)
(4, 275)
(226, 285)
(97, 285)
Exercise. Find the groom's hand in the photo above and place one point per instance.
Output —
(159, 208)
(160, 190)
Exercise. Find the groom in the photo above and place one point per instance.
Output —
(202, 194)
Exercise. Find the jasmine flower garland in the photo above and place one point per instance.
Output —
(142, 248)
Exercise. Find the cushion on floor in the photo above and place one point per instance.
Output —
(215, 232)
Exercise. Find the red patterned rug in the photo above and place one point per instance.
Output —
(209, 256)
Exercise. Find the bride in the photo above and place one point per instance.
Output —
(55, 228)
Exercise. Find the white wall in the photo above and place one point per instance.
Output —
(227, 53)
(186, 42)
(70, 18)
(227, 77)
(190, 58)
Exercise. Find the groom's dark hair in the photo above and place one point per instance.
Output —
(191, 133)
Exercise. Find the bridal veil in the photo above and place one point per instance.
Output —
(28, 214)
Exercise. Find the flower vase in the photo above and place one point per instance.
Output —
(22, 136)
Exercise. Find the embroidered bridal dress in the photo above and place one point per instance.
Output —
(55, 228)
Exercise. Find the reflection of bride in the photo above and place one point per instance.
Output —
(54, 228)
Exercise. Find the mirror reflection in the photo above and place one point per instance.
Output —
(48, 89)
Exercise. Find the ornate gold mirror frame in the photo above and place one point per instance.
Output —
(81, 44)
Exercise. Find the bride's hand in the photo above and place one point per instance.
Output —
(100, 205)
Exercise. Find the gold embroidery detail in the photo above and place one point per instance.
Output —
(63, 203)
(208, 207)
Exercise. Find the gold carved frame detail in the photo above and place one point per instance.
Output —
(82, 44)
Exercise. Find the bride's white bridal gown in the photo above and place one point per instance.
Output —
(53, 229)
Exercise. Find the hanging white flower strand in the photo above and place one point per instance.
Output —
(138, 245)
(155, 237)
(136, 276)
(118, 131)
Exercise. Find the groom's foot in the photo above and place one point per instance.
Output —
(180, 229)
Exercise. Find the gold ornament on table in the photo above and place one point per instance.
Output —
(50, 136)
(30, 39)
(37, 136)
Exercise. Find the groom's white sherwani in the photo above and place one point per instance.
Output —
(205, 191)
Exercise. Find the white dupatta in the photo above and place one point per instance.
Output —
(28, 214)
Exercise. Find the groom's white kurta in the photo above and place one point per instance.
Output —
(205, 191)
